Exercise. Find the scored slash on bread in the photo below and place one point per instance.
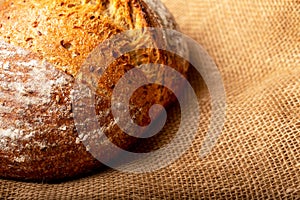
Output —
(43, 45)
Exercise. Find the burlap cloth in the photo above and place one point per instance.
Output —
(256, 46)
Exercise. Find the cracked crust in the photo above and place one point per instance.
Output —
(43, 46)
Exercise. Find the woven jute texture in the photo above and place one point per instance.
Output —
(256, 46)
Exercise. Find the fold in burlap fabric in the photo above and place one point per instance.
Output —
(256, 46)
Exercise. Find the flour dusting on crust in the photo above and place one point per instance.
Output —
(26, 83)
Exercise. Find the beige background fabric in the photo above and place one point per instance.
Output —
(256, 46)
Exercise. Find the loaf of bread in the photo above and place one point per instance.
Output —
(43, 44)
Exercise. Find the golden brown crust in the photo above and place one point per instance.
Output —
(38, 137)
(65, 32)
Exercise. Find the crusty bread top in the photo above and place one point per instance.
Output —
(64, 32)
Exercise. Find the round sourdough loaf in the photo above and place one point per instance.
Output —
(43, 44)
